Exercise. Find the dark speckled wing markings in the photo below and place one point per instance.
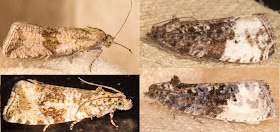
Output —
(241, 39)
(245, 101)
(36, 103)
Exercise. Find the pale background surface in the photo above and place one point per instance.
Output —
(107, 15)
(156, 11)
(155, 117)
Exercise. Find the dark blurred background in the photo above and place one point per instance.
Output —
(272, 4)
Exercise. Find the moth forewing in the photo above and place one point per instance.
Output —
(241, 39)
(36, 103)
(244, 101)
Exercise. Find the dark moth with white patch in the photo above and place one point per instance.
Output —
(241, 39)
(245, 101)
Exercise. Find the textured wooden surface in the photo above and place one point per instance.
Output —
(155, 117)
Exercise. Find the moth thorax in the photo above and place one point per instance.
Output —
(173, 25)
(156, 32)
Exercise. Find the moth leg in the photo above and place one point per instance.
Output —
(46, 57)
(99, 89)
(229, 124)
(74, 55)
(199, 60)
(46, 126)
(45, 60)
(194, 118)
(39, 58)
(92, 117)
(73, 123)
(173, 17)
(172, 113)
(154, 102)
(98, 53)
(111, 117)
(105, 112)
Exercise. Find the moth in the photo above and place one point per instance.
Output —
(35, 103)
(26, 40)
(244, 101)
(240, 39)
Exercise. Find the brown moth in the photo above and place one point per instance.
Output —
(35, 103)
(239, 39)
(26, 40)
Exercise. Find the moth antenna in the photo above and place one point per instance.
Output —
(165, 90)
(93, 100)
(188, 17)
(161, 22)
(145, 94)
(124, 47)
(174, 17)
(124, 20)
(33, 81)
(100, 85)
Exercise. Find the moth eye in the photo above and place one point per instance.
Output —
(151, 94)
(154, 86)
(169, 27)
(120, 103)
(155, 36)
(108, 44)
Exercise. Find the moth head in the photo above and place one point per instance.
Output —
(108, 41)
(123, 103)
(156, 32)
(152, 91)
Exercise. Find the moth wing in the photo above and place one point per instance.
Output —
(253, 103)
(19, 109)
(253, 40)
(24, 41)
(28, 104)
